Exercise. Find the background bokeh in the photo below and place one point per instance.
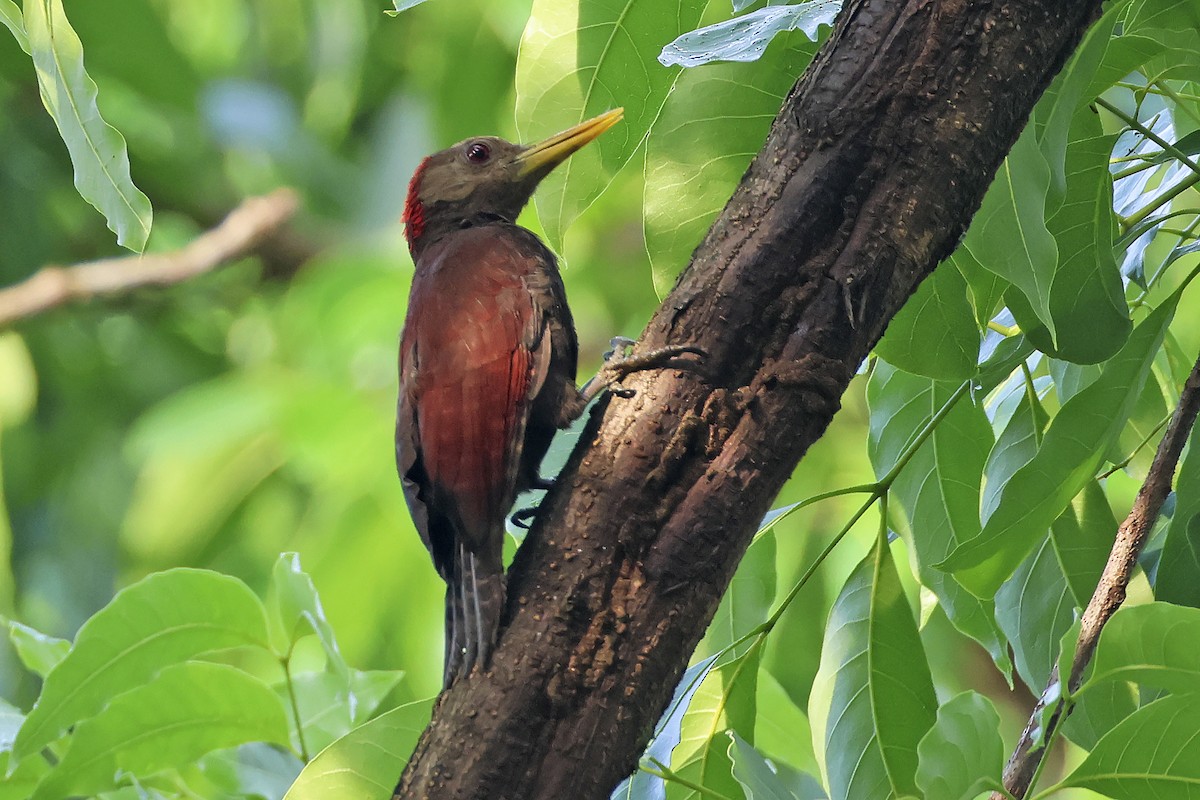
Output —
(217, 423)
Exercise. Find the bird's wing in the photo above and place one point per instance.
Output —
(473, 354)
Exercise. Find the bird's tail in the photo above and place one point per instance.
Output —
(474, 601)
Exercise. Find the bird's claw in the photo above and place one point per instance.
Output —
(618, 344)
(618, 368)
(524, 518)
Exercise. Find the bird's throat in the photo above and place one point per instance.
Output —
(414, 211)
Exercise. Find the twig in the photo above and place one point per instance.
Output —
(1023, 765)
(244, 228)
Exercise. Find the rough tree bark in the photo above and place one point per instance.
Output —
(872, 170)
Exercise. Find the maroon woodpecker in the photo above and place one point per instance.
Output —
(487, 366)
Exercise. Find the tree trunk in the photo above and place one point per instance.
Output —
(872, 170)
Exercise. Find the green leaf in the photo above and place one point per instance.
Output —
(579, 58)
(1072, 450)
(1087, 298)
(938, 489)
(10, 15)
(1036, 606)
(873, 698)
(985, 289)
(781, 730)
(725, 701)
(185, 711)
(642, 785)
(324, 705)
(403, 5)
(935, 334)
(1155, 753)
(298, 612)
(251, 771)
(1096, 713)
(1178, 577)
(764, 780)
(745, 38)
(963, 746)
(1008, 234)
(1180, 15)
(1153, 645)
(97, 149)
(1067, 95)
(20, 782)
(1017, 445)
(161, 620)
(38, 652)
(366, 762)
(747, 601)
(713, 122)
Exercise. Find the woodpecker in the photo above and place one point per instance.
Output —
(487, 366)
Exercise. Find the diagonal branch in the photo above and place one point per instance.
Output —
(1023, 764)
(873, 168)
(237, 235)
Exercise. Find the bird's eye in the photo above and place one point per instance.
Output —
(478, 153)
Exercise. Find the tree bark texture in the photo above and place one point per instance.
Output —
(871, 172)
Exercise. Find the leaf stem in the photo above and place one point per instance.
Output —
(1169, 149)
(286, 662)
(666, 774)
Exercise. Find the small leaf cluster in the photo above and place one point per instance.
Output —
(188, 683)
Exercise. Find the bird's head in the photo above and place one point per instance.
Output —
(487, 175)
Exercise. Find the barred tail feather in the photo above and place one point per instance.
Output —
(474, 601)
(455, 631)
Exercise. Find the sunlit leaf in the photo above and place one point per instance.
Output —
(1073, 448)
(1153, 645)
(642, 785)
(725, 701)
(713, 122)
(366, 762)
(10, 15)
(781, 730)
(963, 746)
(298, 611)
(578, 59)
(163, 619)
(185, 711)
(97, 149)
(745, 38)
(1154, 753)
(873, 698)
(38, 652)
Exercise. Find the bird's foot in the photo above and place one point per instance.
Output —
(524, 517)
(618, 366)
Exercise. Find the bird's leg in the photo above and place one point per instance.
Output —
(523, 518)
(617, 367)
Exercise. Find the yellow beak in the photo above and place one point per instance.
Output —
(545, 156)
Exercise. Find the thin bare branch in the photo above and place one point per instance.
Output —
(1023, 765)
(238, 234)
